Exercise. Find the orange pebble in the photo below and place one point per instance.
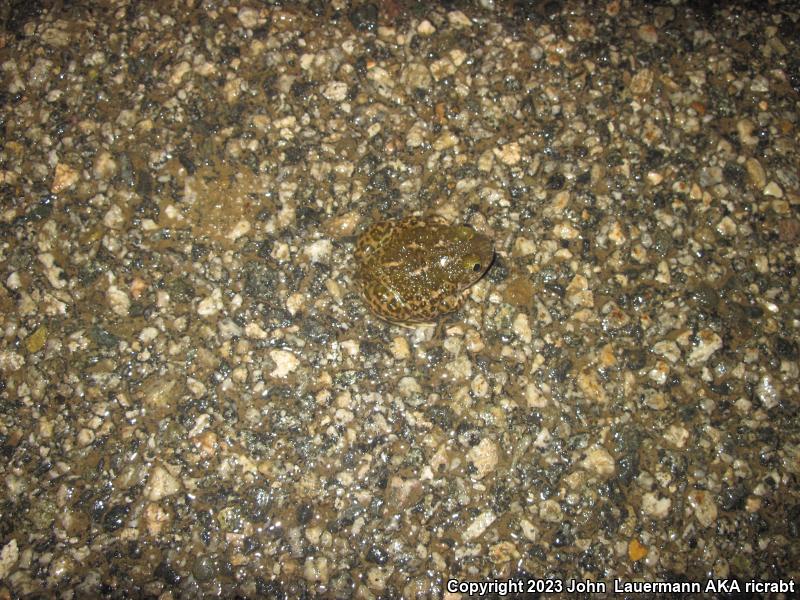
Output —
(636, 551)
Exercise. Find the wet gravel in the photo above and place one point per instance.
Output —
(194, 401)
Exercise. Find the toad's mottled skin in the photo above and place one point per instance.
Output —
(413, 270)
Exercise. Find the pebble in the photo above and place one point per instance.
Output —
(708, 342)
(478, 526)
(599, 462)
(285, 363)
(459, 20)
(211, 304)
(655, 506)
(485, 457)
(425, 28)
(648, 33)
(509, 154)
(335, 91)
(64, 178)
(118, 300)
(641, 82)
(161, 484)
(773, 189)
(248, 17)
(8, 558)
(705, 510)
(755, 173)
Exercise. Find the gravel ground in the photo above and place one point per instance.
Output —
(196, 402)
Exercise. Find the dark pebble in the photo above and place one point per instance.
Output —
(365, 17)
(115, 518)
(204, 568)
(786, 349)
(377, 555)
(167, 574)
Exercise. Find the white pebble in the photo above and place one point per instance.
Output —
(285, 362)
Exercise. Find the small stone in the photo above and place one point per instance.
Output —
(767, 392)
(648, 34)
(36, 340)
(599, 461)
(408, 386)
(61, 567)
(335, 91)
(104, 166)
(480, 524)
(659, 372)
(774, 190)
(316, 569)
(655, 507)
(65, 177)
(636, 551)
(705, 509)
(589, 383)
(641, 82)
(417, 76)
(447, 140)
(529, 530)
(161, 484)
(416, 136)
(160, 393)
(204, 568)
(578, 293)
(458, 19)
(654, 178)
(759, 84)
(485, 457)
(210, 305)
(248, 17)
(148, 334)
(708, 343)
(509, 154)
(726, 227)
(744, 128)
(400, 348)
(54, 273)
(85, 437)
(486, 161)
(550, 511)
(522, 328)
(523, 247)
(755, 173)
(668, 349)
(677, 435)
(426, 28)
(534, 397)
(285, 363)
(382, 79)
(254, 331)
(565, 231)
(155, 518)
(503, 552)
(8, 558)
(114, 219)
(444, 67)
(319, 251)
(118, 300)
(241, 228)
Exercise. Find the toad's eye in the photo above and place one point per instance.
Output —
(463, 233)
(472, 263)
